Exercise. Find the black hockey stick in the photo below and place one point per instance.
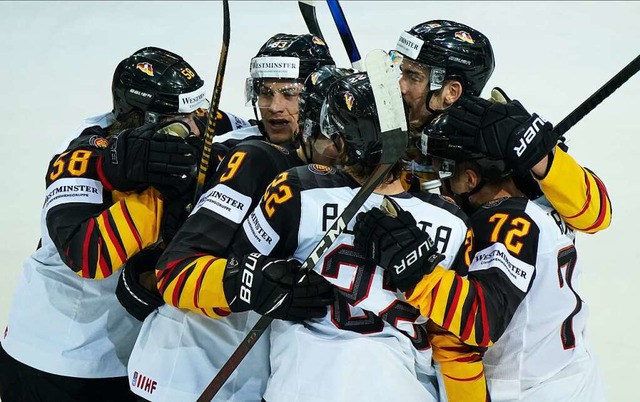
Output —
(308, 11)
(215, 104)
(601, 94)
(394, 136)
(345, 34)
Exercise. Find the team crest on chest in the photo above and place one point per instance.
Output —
(98, 142)
(321, 170)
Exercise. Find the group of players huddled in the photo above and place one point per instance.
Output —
(456, 281)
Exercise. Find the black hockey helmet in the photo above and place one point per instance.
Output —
(156, 82)
(316, 88)
(349, 111)
(297, 56)
(451, 50)
(440, 140)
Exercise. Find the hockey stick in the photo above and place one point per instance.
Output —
(345, 34)
(308, 11)
(601, 94)
(394, 137)
(215, 104)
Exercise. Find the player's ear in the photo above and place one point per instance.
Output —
(470, 179)
(452, 92)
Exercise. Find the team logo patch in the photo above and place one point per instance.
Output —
(321, 170)
(318, 41)
(494, 203)
(464, 37)
(280, 148)
(98, 142)
(348, 100)
(146, 68)
(314, 77)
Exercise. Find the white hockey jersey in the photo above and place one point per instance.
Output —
(60, 323)
(371, 345)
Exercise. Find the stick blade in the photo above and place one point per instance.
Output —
(389, 104)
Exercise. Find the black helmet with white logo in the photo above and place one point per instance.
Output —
(156, 82)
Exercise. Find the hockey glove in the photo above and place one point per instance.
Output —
(152, 155)
(393, 240)
(270, 287)
(138, 298)
(503, 131)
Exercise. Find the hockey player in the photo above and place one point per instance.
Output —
(370, 345)
(277, 73)
(183, 345)
(68, 338)
(520, 298)
(442, 60)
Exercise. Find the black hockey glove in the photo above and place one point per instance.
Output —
(503, 131)
(395, 243)
(152, 155)
(175, 214)
(257, 282)
(139, 300)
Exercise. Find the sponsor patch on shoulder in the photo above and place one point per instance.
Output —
(496, 256)
(280, 148)
(263, 237)
(98, 142)
(226, 202)
(321, 170)
(73, 190)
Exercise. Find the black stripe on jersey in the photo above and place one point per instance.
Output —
(443, 203)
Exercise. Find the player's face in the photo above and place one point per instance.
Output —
(278, 103)
(414, 82)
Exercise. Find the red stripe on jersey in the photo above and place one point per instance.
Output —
(112, 236)
(102, 263)
(175, 297)
(196, 293)
(466, 332)
(604, 198)
(588, 201)
(85, 249)
(221, 312)
(454, 303)
(434, 294)
(132, 227)
(103, 178)
(483, 313)
(479, 375)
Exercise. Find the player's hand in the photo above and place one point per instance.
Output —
(151, 155)
(393, 240)
(503, 131)
(136, 289)
(273, 288)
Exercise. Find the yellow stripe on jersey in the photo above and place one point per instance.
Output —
(460, 365)
(128, 226)
(454, 303)
(196, 286)
(577, 194)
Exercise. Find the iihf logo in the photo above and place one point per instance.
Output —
(134, 379)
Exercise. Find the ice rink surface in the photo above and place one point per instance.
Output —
(57, 59)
